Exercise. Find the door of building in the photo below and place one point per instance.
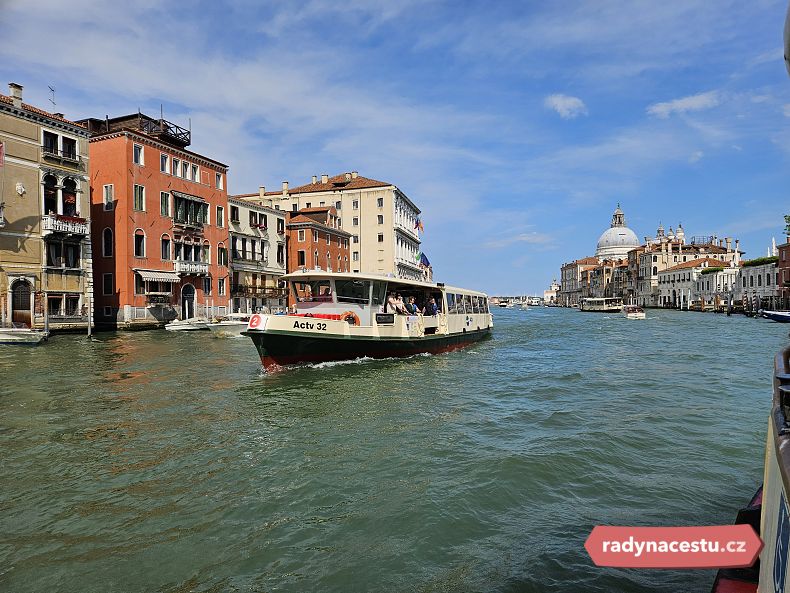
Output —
(188, 302)
(20, 303)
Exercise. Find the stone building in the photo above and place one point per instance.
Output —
(46, 274)
(257, 256)
(316, 241)
(573, 280)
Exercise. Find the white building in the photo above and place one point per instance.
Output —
(757, 286)
(257, 256)
(678, 286)
(616, 241)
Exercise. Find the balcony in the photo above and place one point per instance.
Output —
(188, 224)
(191, 268)
(60, 223)
(63, 157)
(268, 292)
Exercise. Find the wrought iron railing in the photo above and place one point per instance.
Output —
(60, 223)
(190, 267)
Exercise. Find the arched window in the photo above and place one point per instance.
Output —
(107, 242)
(139, 243)
(222, 255)
(206, 252)
(70, 197)
(50, 195)
(166, 250)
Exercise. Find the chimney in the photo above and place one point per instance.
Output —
(728, 242)
(354, 174)
(58, 115)
(348, 176)
(15, 90)
(315, 180)
(285, 188)
(262, 191)
(324, 178)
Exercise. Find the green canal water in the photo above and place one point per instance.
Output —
(158, 462)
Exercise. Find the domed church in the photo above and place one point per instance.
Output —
(617, 240)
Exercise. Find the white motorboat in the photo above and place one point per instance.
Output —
(232, 325)
(780, 316)
(633, 312)
(22, 335)
(187, 325)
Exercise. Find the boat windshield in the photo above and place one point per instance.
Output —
(353, 291)
(312, 291)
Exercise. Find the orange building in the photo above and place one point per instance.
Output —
(315, 241)
(159, 224)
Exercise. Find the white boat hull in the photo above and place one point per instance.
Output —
(187, 325)
(12, 335)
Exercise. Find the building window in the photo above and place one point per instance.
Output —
(253, 218)
(328, 239)
(300, 235)
(381, 219)
(356, 238)
(355, 221)
(355, 256)
(176, 164)
(280, 254)
(165, 248)
(108, 311)
(301, 258)
(69, 148)
(234, 214)
(218, 180)
(194, 173)
(294, 207)
(139, 243)
(137, 155)
(221, 286)
(207, 286)
(106, 283)
(308, 205)
(109, 192)
(220, 216)
(163, 162)
(164, 203)
(50, 143)
(380, 202)
(281, 226)
(355, 205)
(338, 205)
(139, 197)
(107, 242)
(222, 255)
(381, 237)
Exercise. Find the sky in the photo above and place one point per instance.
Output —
(516, 127)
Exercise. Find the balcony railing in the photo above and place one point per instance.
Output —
(59, 223)
(63, 156)
(259, 291)
(193, 224)
(190, 267)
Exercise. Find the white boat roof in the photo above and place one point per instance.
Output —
(305, 274)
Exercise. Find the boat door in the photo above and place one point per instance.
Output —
(20, 303)
(187, 301)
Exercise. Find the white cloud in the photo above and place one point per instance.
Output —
(691, 103)
(568, 107)
(532, 238)
(786, 109)
(696, 156)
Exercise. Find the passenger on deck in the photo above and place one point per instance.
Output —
(411, 306)
(431, 308)
(399, 306)
(394, 304)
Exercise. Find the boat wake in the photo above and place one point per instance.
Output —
(337, 363)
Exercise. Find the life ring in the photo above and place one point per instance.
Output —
(350, 317)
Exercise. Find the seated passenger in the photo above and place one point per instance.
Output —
(411, 306)
(399, 306)
(392, 303)
(431, 308)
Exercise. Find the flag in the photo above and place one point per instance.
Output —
(424, 261)
(418, 225)
(2, 154)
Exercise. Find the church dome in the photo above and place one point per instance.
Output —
(617, 240)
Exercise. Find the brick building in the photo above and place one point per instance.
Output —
(316, 242)
(159, 224)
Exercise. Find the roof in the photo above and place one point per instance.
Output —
(37, 111)
(587, 261)
(356, 276)
(698, 263)
(338, 182)
(302, 220)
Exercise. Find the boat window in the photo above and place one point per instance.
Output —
(450, 302)
(459, 303)
(352, 291)
(379, 293)
(312, 291)
(485, 300)
(475, 305)
(467, 304)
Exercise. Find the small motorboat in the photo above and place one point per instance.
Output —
(20, 334)
(780, 316)
(232, 325)
(187, 325)
(633, 312)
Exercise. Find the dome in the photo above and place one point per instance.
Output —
(616, 241)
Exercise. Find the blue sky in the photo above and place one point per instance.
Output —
(516, 127)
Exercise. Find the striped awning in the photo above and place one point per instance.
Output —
(158, 276)
(180, 194)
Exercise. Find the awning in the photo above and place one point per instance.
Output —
(180, 194)
(158, 276)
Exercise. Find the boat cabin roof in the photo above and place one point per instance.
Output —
(321, 274)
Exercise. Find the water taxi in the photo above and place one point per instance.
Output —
(187, 325)
(344, 316)
(633, 312)
(232, 325)
(21, 334)
(601, 305)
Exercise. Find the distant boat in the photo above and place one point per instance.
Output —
(633, 312)
(601, 305)
(18, 334)
(232, 325)
(780, 316)
(187, 325)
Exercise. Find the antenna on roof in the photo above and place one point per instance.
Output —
(161, 112)
(52, 95)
